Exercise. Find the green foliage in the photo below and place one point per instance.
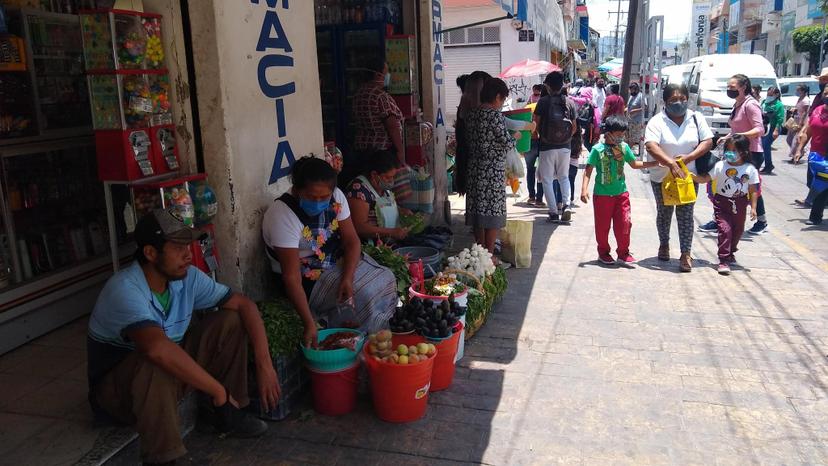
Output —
(283, 327)
(806, 39)
(386, 257)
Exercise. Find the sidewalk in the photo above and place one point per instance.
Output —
(582, 364)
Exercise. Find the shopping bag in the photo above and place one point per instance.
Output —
(514, 164)
(678, 191)
(421, 184)
(516, 241)
(402, 186)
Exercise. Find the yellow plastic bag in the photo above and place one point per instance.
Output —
(678, 191)
(516, 240)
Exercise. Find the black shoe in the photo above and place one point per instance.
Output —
(553, 218)
(230, 421)
(767, 172)
(812, 223)
(759, 228)
(709, 227)
(566, 216)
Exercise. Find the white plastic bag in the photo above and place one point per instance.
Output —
(514, 164)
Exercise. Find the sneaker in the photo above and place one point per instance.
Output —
(530, 201)
(724, 269)
(553, 218)
(767, 171)
(812, 223)
(540, 204)
(759, 228)
(731, 259)
(627, 260)
(709, 227)
(606, 259)
(233, 422)
(566, 216)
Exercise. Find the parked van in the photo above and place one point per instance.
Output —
(675, 74)
(708, 84)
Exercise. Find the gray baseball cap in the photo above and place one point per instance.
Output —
(167, 225)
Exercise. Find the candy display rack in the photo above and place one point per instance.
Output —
(130, 92)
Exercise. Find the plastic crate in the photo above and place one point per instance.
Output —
(294, 381)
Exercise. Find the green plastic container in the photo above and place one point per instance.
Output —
(333, 360)
(523, 114)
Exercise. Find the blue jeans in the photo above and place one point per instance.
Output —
(532, 184)
(767, 147)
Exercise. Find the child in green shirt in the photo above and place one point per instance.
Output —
(611, 199)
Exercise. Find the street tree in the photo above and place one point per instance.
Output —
(808, 39)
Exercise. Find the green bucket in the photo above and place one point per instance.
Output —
(523, 114)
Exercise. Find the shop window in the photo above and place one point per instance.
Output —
(491, 34)
(797, 69)
(455, 37)
(474, 35)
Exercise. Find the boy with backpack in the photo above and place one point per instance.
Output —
(555, 116)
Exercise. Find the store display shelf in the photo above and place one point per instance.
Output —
(14, 298)
(36, 144)
(128, 71)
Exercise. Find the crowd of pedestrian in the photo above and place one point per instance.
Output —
(676, 143)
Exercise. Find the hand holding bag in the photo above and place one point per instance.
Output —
(677, 191)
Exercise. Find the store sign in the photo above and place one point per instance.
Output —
(526, 35)
(814, 9)
(438, 75)
(701, 27)
(274, 41)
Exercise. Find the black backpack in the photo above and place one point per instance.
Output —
(557, 126)
(586, 115)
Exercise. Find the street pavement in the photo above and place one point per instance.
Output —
(583, 364)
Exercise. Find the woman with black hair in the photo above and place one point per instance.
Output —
(315, 251)
(675, 134)
(774, 109)
(488, 140)
(373, 208)
(470, 101)
(746, 119)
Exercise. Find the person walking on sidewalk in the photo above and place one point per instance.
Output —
(611, 201)
(555, 117)
(635, 110)
(746, 119)
(675, 134)
(735, 183)
(149, 343)
(816, 130)
(774, 110)
(798, 119)
(534, 186)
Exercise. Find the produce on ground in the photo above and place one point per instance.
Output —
(283, 327)
(386, 257)
(444, 285)
(380, 348)
(476, 260)
(429, 319)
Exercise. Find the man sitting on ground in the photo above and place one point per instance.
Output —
(144, 355)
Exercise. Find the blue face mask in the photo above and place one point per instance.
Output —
(731, 156)
(771, 99)
(314, 208)
(676, 108)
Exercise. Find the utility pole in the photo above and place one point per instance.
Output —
(617, 14)
(632, 18)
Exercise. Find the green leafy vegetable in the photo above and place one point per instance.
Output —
(414, 222)
(386, 257)
(283, 327)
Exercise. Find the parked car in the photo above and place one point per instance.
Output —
(708, 84)
(788, 88)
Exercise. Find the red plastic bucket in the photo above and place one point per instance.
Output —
(400, 393)
(334, 393)
(443, 373)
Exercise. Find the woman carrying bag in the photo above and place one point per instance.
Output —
(676, 134)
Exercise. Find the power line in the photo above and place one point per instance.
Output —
(618, 24)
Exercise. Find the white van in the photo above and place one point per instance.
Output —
(708, 84)
(675, 74)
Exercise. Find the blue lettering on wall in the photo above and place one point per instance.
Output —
(437, 26)
(273, 37)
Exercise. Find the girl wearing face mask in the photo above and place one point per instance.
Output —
(746, 119)
(675, 134)
(315, 251)
(773, 108)
(488, 140)
(799, 116)
(735, 183)
(373, 208)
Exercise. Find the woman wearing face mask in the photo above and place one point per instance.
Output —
(816, 130)
(675, 134)
(775, 111)
(746, 119)
(488, 141)
(800, 116)
(635, 111)
(315, 251)
(373, 208)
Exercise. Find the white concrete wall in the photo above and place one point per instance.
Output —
(239, 122)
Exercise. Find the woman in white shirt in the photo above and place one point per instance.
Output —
(675, 134)
(314, 248)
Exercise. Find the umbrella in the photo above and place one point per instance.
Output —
(617, 74)
(611, 65)
(527, 68)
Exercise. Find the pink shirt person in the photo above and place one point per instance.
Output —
(746, 117)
